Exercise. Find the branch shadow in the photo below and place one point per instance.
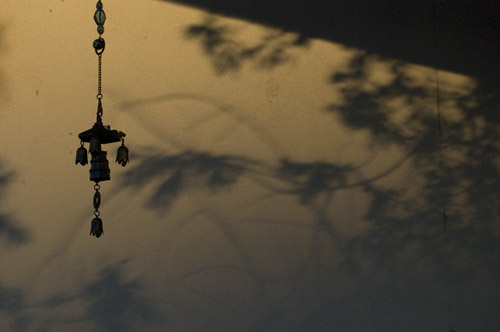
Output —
(13, 303)
(451, 126)
(309, 180)
(115, 302)
(424, 233)
(112, 303)
(435, 225)
(229, 51)
(398, 30)
(11, 233)
(177, 173)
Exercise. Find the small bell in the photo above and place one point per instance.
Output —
(96, 227)
(122, 155)
(81, 155)
(95, 145)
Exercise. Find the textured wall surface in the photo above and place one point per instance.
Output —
(293, 167)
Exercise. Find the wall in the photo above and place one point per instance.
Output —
(281, 179)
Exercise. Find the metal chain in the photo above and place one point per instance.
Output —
(99, 45)
(99, 85)
(99, 77)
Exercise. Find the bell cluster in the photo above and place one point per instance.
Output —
(99, 165)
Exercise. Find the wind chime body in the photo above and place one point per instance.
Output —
(99, 134)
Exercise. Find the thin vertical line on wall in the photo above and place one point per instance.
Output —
(440, 146)
(438, 112)
(445, 265)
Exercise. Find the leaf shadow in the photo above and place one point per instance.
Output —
(112, 303)
(11, 231)
(229, 51)
(174, 174)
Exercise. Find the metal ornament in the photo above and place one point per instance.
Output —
(99, 134)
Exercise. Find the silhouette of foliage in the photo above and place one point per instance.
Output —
(115, 303)
(406, 226)
(435, 224)
(112, 303)
(404, 30)
(12, 300)
(311, 179)
(177, 172)
(456, 160)
(229, 52)
(365, 106)
(12, 303)
(10, 231)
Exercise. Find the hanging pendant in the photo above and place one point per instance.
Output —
(99, 135)
(96, 228)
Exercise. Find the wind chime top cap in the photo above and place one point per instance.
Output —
(104, 133)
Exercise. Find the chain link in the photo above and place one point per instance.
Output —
(99, 45)
(99, 77)
(99, 85)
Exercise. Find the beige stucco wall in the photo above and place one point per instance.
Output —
(250, 202)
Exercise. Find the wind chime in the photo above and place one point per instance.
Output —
(99, 134)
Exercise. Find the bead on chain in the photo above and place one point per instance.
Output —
(96, 228)
(100, 18)
(99, 46)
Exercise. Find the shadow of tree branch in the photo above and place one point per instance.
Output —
(175, 173)
(228, 51)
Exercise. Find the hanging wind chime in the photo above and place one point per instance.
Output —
(99, 134)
